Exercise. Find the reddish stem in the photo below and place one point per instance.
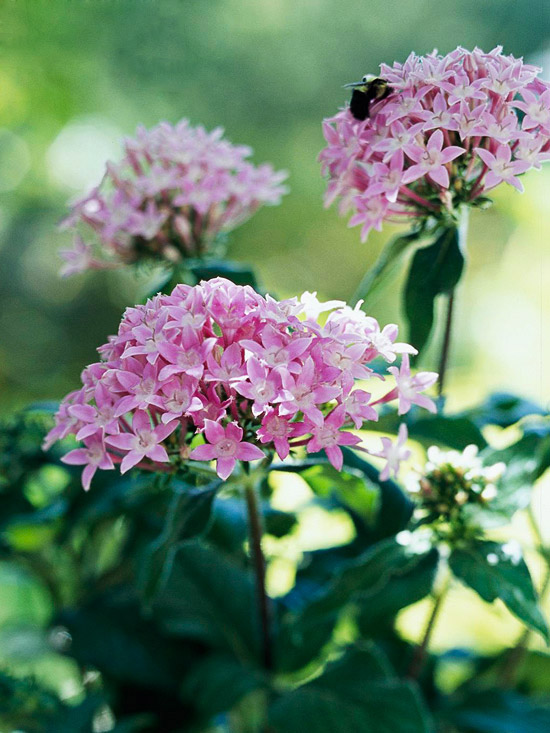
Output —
(415, 197)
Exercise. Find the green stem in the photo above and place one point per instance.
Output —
(445, 347)
(258, 560)
(421, 650)
(462, 225)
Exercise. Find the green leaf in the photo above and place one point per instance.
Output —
(135, 723)
(526, 460)
(533, 673)
(229, 527)
(493, 573)
(110, 635)
(394, 508)
(345, 489)
(188, 516)
(368, 582)
(434, 270)
(78, 719)
(503, 409)
(496, 711)
(209, 597)
(356, 693)
(384, 267)
(453, 431)
(234, 271)
(407, 585)
(218, 683)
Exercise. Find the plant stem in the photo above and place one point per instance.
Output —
(462, 231)
(258, 560)
(421, 650)
(444, 358)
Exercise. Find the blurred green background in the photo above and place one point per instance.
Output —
(77, 75)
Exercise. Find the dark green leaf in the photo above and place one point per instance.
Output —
(110, 635)
(345, 489)
(496, 711)
(384, 267)
(356, 693)
(208, 597)
(394, 508)
(229, 527)
(188, 516)
(526, 460)
(409, 584)
(237, 273)
(368, 582)
(218, 683)
(434, 270)
(77, 719)
(454, 431)
(495, 573)
(134, 724)
(503, 409)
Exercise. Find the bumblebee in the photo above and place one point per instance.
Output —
(369, 89)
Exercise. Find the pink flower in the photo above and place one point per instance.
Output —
(174, 191)
(431, 160)
(409, 386)
(180, 398)
(263, 386)
(277, 430)
(502, 167)
(536, 108)
(302, 395)
(418, 155)
(143, 442)
(358, 408)
(393, 452)
(230, 368)
(383, 342)
(100, 419)
(93, 456)
(77, 259)
(328, 436)
(222, 359)
(142, 385)
(225, 445)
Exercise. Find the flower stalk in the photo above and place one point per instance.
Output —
(445, 347)
(419, 657)
(462, 230)
(255, 524)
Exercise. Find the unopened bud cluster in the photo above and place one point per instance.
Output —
(452, 484)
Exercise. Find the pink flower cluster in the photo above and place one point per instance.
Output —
(215, 371)
(176, 188)
(453, 127)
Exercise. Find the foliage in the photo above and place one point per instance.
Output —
(150, 593)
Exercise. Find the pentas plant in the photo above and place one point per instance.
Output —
(449, 130)
(176, 189)
(452, 128)
(216, 372)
